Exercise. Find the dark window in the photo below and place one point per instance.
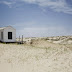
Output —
(9, 35)
(1, 35)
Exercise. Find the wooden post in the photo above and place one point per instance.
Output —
(22, 39)
(19, 39)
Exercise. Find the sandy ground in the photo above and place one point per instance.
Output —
(39, 57)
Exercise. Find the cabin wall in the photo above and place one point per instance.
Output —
(9, 29)
(0, 35)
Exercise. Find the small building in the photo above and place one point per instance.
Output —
(7, 34)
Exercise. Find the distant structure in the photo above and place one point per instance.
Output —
(7, 34)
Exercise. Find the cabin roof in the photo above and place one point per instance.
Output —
(1, 28)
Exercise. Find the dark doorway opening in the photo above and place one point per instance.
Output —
(9, 35)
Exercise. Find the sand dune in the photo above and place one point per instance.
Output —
(40, 56)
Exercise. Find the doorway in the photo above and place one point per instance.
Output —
(9, 35)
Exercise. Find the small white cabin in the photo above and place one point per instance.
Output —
(8, 34)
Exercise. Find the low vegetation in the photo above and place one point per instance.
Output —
(37, 55)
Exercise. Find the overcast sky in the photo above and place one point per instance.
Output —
(37, 18)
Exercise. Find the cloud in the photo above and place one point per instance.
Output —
(8, 3)
(25, 24)
(43, 32)
(55, 5)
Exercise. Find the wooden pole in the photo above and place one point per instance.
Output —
(22, 39)
(19, 38)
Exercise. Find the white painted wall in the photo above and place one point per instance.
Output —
(0, 35)
(5, 34)
(9, 29)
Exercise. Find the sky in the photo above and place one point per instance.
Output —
(37, 18)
